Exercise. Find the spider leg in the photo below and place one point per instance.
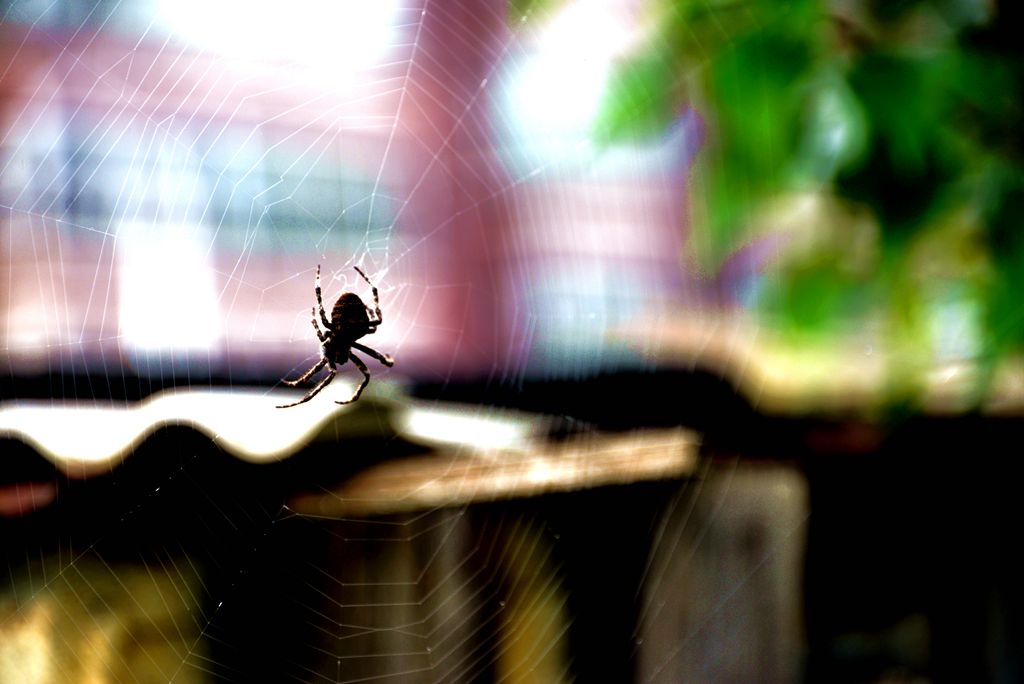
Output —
(386, 359)
(307, 375)
(377, 318)
(316, 390)
(366, 378)
(319, 333)
(320, 300)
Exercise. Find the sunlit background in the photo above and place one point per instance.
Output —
(174, 172)
(545, 193)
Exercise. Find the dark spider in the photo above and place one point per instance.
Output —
(350, 320)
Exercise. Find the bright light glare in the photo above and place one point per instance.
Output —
(338, 35)
(466, 426)
(561, 86)
(168, 296)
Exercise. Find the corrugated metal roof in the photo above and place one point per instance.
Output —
(470, 452)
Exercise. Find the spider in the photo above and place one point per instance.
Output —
(350, 320)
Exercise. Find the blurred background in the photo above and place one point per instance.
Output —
(173, 175)
(791, 229)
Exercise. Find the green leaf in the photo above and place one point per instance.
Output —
(642, 99)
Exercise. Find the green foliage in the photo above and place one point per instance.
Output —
(643, 98)
(910, 110)
(517, 9)
(810, 297)
(749, 63)
(1005, 215)
(913, 162)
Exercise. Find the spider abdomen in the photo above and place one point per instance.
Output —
(349, 318)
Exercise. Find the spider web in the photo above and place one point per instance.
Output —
(171, 174)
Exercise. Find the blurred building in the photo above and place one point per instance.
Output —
(171, 174)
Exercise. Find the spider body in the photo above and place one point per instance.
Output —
(350, 320)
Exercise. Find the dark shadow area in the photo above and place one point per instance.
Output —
(911, 563)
